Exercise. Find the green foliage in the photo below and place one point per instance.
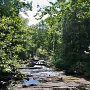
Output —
(12, 31)
(11, 7)
(76, 33)
(10, 42)
(41, 52)
(68, 34)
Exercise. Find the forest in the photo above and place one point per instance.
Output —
(63, 37)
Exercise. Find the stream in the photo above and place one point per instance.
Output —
(50, 79)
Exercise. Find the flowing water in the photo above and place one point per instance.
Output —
(49, 79)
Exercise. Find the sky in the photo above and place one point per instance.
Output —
(30, 14)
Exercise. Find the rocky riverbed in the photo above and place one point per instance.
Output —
(50, 79)
(68, 83)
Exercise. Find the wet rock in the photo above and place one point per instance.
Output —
(54, 79)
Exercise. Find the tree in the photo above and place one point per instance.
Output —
(75, 33)
(73, 21)
(11, 37)
(11, 8)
